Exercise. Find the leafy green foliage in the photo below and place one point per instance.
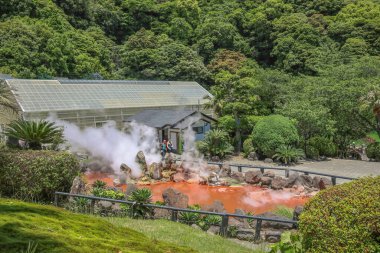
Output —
(6, 102)
(215, 144)
(107, 193)
(288, 154)
(34, 133)
(190, 218)
(209, 220)
(320, 146)
(290, 243)
(36, 175)
(272, 132)
(248, 146)
(57, 230)
(284, 211)
(141, 196)
(344, 218)
(373, 151)
(99, 184)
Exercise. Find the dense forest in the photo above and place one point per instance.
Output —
(314, 61)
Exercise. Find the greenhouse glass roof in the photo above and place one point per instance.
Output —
(63, 95)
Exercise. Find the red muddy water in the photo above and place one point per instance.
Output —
(248, 197)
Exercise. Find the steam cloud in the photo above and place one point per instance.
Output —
(112, 146)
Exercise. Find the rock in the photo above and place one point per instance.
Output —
(173, 167)
(324, 183)
(253, 177)
(243, 223)
(213, 230)
(196, 226)
(278, 183)
(269, 174)
(217, 206)
(178, 177)
(161, 213)
(316, 180)
(175, 198)
(275, 224)
(213, 168)
(167, 174)
(293, 179)
(272, 236)
(126, 169)
(202, 180)
(130, 188)
(306, 180)
(238, 176)
(78, 186)
(297, 211)
(116, 182)
(245, 234)
(155, 171)
(116, 208)
(252, 156)
(268, 160)
(140, 159)
(104, 204)
(215, 159)
(239, 212)
(225, 170)
(266, 181)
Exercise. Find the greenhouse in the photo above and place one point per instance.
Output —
(94, 102)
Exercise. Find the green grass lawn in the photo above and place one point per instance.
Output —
(181, 234)
(57, 230)
(374, 135)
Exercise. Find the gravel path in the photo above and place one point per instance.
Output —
(339, 167)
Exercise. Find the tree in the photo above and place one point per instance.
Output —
(7, 103)
(34, 133)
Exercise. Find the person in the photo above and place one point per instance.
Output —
(163, 149)
(170, 147)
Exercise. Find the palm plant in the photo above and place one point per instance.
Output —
(288, 154)
(190, 218)
(140, 197)
(34, 133)
(216, 144)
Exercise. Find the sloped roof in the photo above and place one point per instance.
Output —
(62, 95)
(161, 118)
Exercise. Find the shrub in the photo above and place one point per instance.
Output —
(190, 218)
(344, 218)
(215, 144)
(290, 243)
(284, 211)
(272, 132)
(320, 146)
(373, 151)
(36, 175)
(248, 146)
(140, 196)
(107, 193)
(288, 154)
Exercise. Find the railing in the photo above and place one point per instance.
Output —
(175, 210)
(287, 171)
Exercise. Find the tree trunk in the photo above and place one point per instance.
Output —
(237, 134)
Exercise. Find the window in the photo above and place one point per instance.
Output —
(198, 130)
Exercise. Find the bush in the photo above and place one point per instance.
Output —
(36, 175)
(272, 132)
(373, 151)
(288, 154)
(248, 146)
(107, 193)
(215, 144)
(320, 146)
(344, 218)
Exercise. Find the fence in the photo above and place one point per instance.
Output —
(175, 211)
(286, 170)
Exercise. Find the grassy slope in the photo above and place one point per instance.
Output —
(181, 234)
(56, 230)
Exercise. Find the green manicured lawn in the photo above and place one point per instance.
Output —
(57, 230)
(181, 234)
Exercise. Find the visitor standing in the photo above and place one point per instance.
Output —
(170, 147)
(163, 149)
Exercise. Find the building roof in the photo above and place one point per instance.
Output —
(162, 118)
(63, 95)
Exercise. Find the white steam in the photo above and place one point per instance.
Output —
(113, 146)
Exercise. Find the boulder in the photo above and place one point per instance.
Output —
(278, 183)
(216, 206)
(306, 180)
(297, 212)
(316, 180)
(234, 222)
(266, 181)
(269, 174)
(293, 179)
(104, 204)
(155, 171)
(173, 167)
(196, 226)
(213, 230)
(268, 160)
(130, 188)
(116, 182)
(240, 212)
(238, 176)
(275, 224)
(213, 168)
(161, 213)
(140, 159)
(272, 236)
(78, 186)
(253, 177)
(324, 183)
(246, 234)
(252, 156)
(226, 170)
(175, 198)
(127, 171)
(178, 177)
(215, 159)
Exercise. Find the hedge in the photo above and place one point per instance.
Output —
(343, 218)
(35, 175)
(373, 151)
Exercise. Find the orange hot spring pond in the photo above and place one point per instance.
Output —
(248, 197)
